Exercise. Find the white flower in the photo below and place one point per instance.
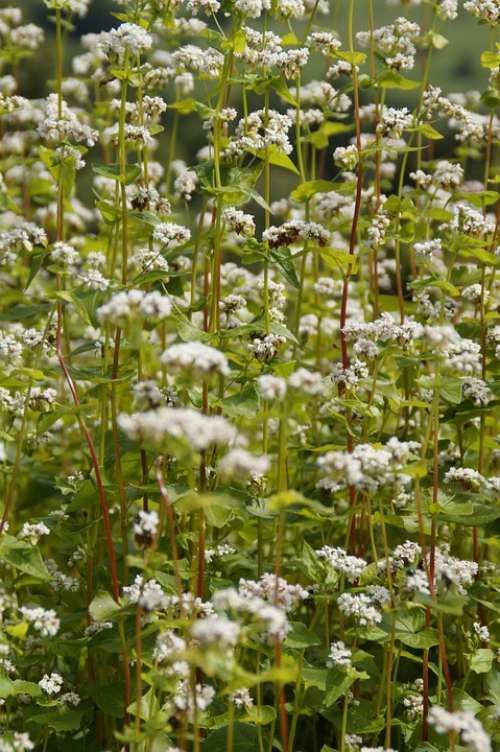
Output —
(368, 467)
(450, 570)
(272, 387)
(216, 630)
(274, 589)
(171, 235)
(395, 42)
(32, 531)
(378, 228)
(482, 631)
(339, 655)
(428, 248)
(406, 553)
(360, 607)
(239, 463)
(17, 742)
(127, 38)
(252, 8)
(70, 698)
(324, 41)
(266, 348)
(346, 157)
(291, 8)
(51, 684)
(472, 734)
(470, 221)
(296, 231)
(239, 222)
(463, 356)
(168, 647)
(44, 621)
(209, 7)
(56, 127)
(467, 476)
(394, 122)
(64, 253)
(338, 559)
(448, 174)
(183, 698)
(477, 391)
(146, 525)
(473, 293)
(241, 698)
(485, 10)
(310, 382)
(185, 183)
(70, 6)
(222, 549)
(146, 593)
(196, 357)
(448, 9)
(124, 306)
(184, 428)
(93, 279)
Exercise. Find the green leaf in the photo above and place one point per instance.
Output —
(301, 636)
(276, 157)
(311, 564)
(245, 739)
(481, 198)
(35, 265)
(103, 606)
(109, 698)
(391, 79)
(321, 137)
(277, 328)
(314, 677)
(447, 603)
(427, 638)
(439, 41)
(24, 557)
(355, 58)
(113, 172)
(482, 660)
(60, 719)
(280, 87)
(490, 59)
(187, 331)
(261, 715)
(241, 405)
(337, 684)
(238, 42)
(290, 39)
(339, 260)
(21, 687)
(283, 259)
(306, 190)
(428, 131)
(22, 312)
(9, 688)
(184, 106)
(451, 390)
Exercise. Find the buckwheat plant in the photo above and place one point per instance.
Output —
(249, 380)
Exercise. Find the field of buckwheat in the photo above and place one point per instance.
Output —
(248, 439)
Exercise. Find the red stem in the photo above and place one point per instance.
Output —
(171, 527)
(93, 456)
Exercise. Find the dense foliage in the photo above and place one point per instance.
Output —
(248, 442)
